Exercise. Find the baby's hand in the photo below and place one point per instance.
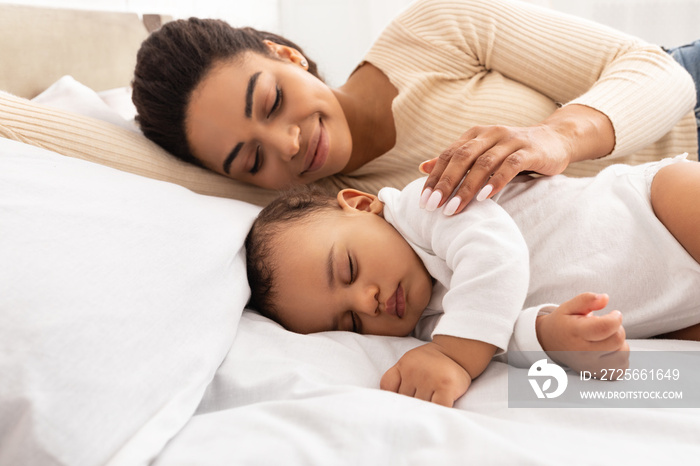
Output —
(582, 340)
(427, 374)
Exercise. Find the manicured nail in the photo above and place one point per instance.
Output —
(421, 169)
(451, 207)
(424, 197)
(433, 202)
(484, 193)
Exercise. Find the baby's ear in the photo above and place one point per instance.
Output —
(352, 199)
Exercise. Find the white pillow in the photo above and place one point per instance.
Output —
(119, 100)
(119, 298)
(72, 96)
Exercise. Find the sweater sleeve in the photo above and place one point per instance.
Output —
(480, 256)
(638, 86)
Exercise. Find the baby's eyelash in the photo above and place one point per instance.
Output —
(352, 270)
(354, 322)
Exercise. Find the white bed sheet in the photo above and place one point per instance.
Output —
(283, 398)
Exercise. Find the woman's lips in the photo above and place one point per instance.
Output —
(396, 304)
(318, 150)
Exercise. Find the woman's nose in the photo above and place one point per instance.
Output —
(288, 144)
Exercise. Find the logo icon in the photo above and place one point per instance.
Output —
(547, 371)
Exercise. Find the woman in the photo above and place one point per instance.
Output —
(491, 86)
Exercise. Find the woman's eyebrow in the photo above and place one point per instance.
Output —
(249, 114)
(249, 94)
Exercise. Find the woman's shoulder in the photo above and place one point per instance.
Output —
(427, 34)
(443, 27)
(446, 12)
(429, 13)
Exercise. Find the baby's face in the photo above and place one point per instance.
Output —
(348, 270)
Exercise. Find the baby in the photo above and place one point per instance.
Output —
(487, 280)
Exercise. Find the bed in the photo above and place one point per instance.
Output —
(124, 337)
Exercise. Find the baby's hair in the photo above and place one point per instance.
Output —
(297, 205)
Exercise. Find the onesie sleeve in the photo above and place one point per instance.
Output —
(524, 349)
(637, 85)
(479, 255)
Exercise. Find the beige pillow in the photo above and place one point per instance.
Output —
(107, 144)
(97, 141)
(40, 44)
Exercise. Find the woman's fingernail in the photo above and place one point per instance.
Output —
(424, 197)
(451, 207)
(484, 193)
(433, 201)
(421, 169)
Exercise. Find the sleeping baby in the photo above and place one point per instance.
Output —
(521, 272)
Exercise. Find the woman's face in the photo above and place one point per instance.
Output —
(267, 121)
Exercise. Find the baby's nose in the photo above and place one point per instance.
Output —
(369, 301)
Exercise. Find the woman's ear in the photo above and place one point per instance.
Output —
(284, 52)
(354, 200)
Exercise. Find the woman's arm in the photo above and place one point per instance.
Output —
(491, 156)
(618, 93)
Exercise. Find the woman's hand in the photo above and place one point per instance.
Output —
(486, 158)
(490, 156)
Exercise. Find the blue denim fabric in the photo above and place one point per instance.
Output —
(689, 58)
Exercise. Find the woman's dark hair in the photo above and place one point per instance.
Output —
(294, 206)
(173, 60)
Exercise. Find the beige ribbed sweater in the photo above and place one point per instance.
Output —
(458, 64)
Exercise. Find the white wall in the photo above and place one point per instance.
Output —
(258, 13)
(664, 22)
(337, 44)
(336, 33)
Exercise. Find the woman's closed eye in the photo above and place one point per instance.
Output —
(257, 163)
(277, 103)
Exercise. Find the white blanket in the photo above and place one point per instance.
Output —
(283, 398)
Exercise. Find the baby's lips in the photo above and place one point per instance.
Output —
(390, 305)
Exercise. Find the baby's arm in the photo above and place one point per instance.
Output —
(440, 371)
(472, 255)
(573, 336)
